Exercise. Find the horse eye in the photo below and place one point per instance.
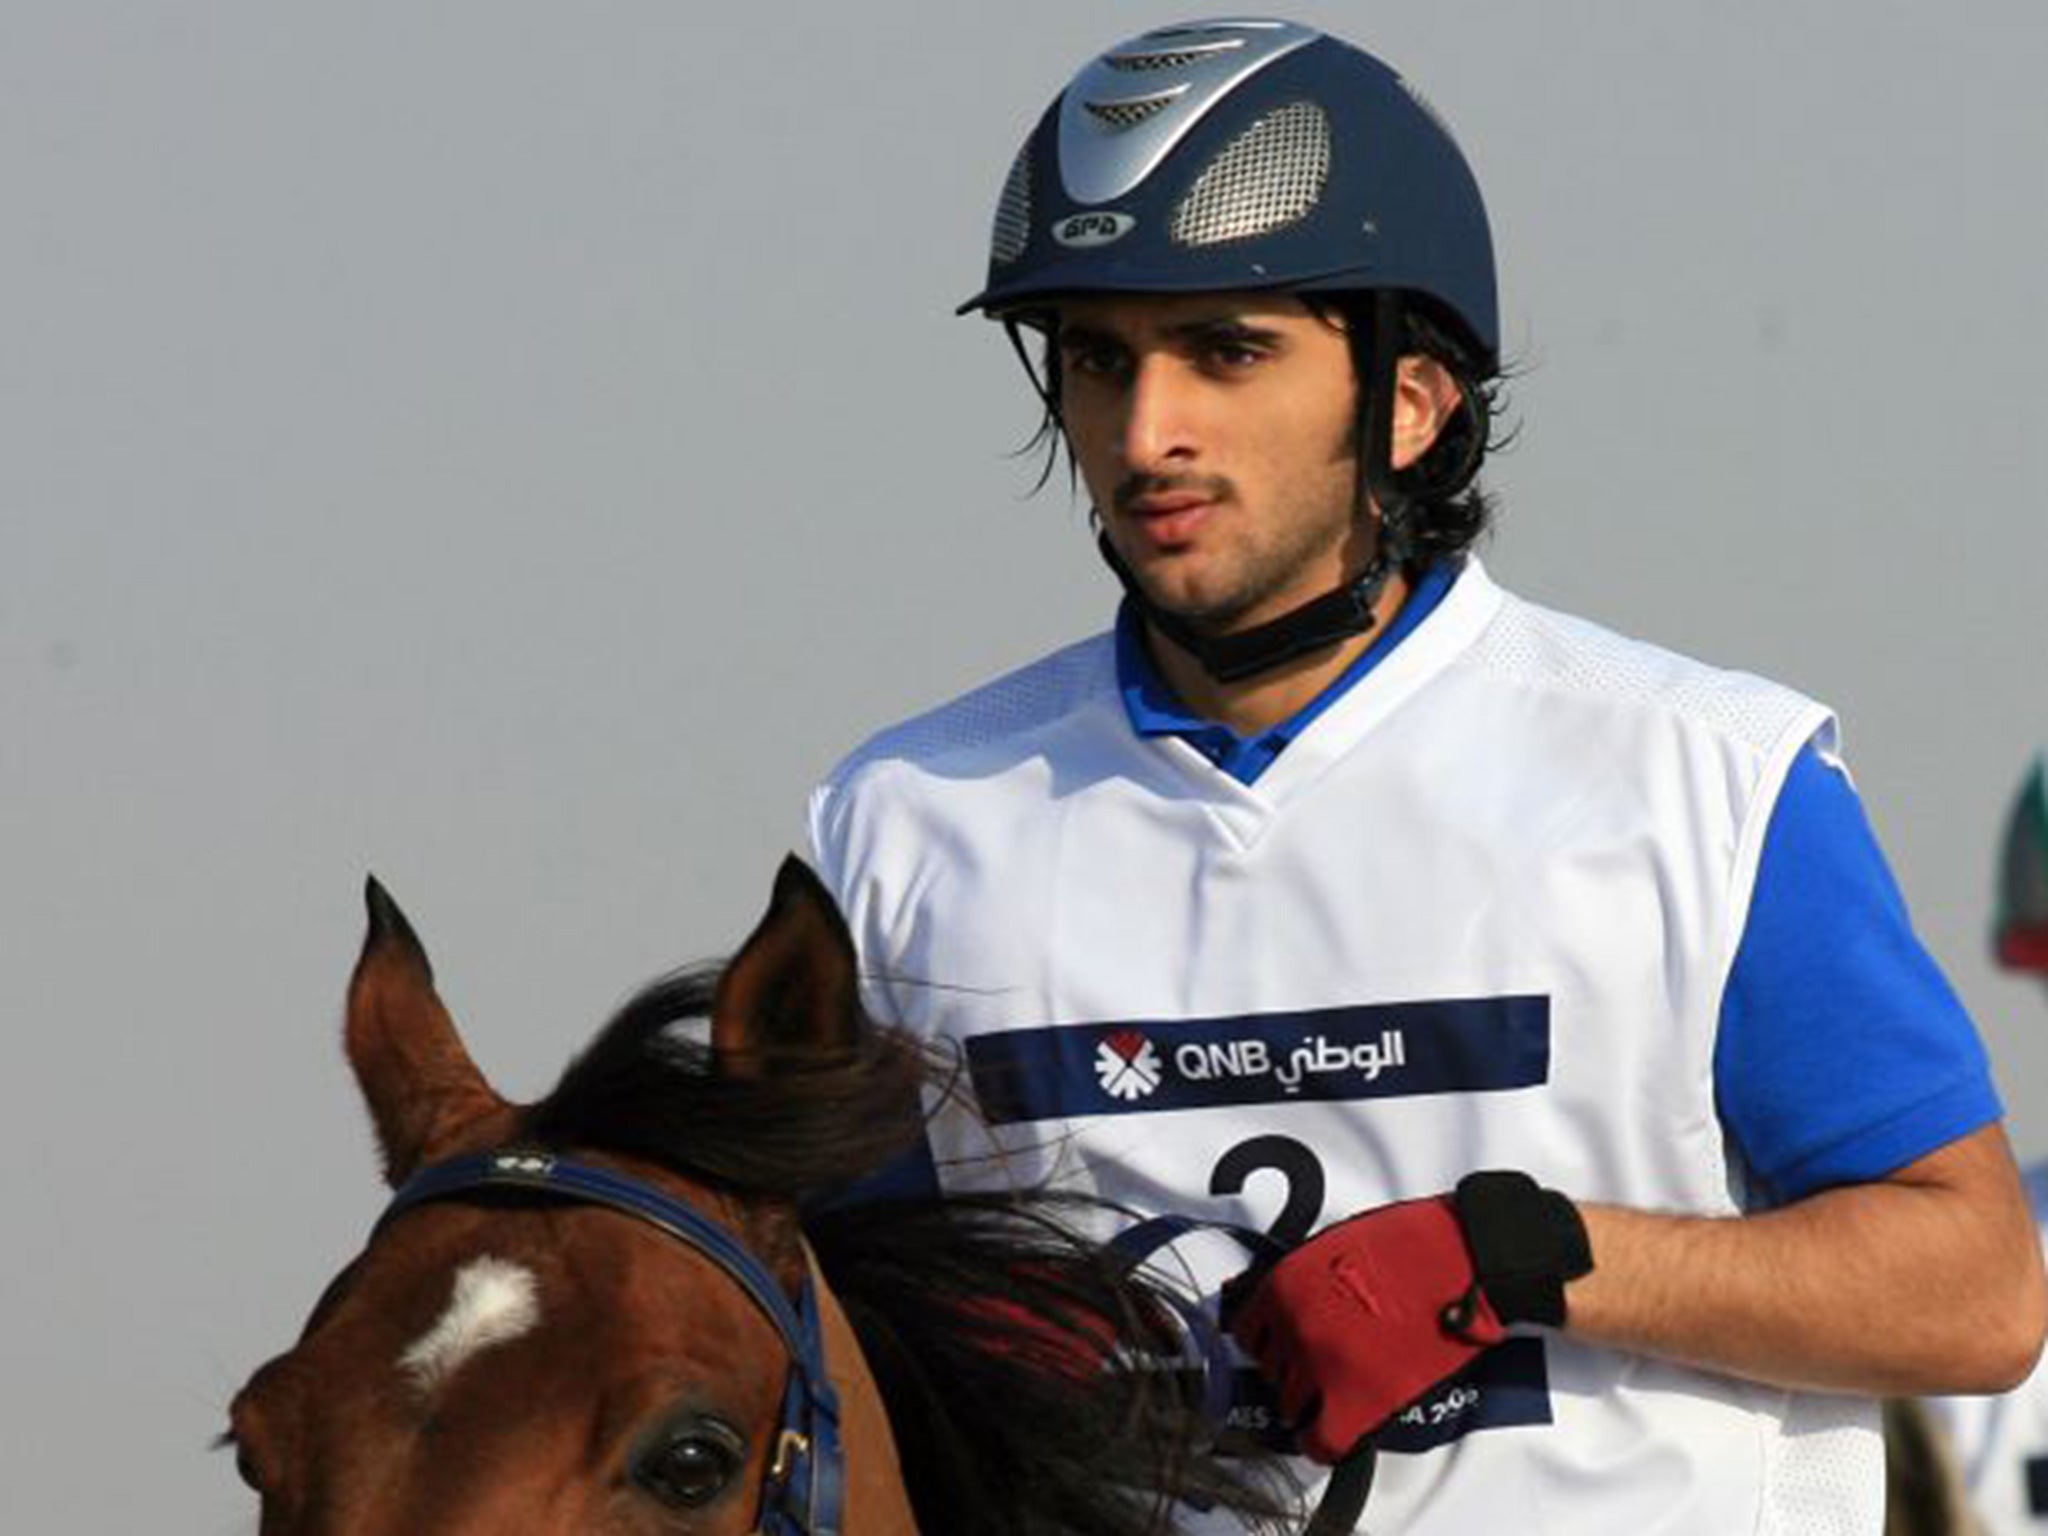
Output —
(690, 1468)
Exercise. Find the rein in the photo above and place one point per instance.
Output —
(1338, 1512)
(805, 1490)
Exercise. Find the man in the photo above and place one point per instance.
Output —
(1547, 990)
(2002, 1442)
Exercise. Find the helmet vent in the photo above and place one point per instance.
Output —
(1211, 28)
(1264, 179)
(1127, 111)
(1133, 110)
(1013, 211)
(1150, 62)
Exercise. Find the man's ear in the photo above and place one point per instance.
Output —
(1426, 397)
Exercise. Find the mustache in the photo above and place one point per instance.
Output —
(1132, 487)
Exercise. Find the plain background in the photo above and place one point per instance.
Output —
(516, 447)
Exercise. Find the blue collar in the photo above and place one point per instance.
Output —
(1154, 710)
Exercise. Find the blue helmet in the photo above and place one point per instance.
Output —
(1243, 154)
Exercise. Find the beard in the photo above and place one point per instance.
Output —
(1242, 580)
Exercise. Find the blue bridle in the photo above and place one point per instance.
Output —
(805, 1491)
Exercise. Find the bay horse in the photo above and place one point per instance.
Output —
(624, 1310)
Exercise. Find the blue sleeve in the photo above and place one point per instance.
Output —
(1843, 1054)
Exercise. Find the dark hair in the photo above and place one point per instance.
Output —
(1448, 510)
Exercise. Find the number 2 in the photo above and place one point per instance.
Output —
(1295, 1163)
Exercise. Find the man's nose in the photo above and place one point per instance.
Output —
(1159, 418)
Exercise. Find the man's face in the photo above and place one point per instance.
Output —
(1215, 433)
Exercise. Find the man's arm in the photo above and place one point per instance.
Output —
(1927, 1281)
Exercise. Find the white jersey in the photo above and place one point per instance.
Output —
(2001, 1443)
(1477, 915)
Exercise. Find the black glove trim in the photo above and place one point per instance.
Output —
(1526, 1242)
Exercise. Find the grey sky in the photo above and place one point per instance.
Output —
(515, 447)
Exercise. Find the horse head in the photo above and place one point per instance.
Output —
(508, 1360)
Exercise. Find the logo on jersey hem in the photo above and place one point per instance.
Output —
(1508, 1387)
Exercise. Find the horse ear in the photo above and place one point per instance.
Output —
(792, 988)
(426, 1097)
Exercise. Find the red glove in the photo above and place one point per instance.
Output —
(1368, 1315)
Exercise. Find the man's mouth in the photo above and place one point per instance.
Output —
(1164, 519)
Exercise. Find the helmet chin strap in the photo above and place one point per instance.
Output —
(1229, 658)
(1339, 614)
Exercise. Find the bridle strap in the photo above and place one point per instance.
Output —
(806, 1487)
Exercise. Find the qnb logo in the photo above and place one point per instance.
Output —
(1083, 230)
(1126, 1065)
(1317, 1057)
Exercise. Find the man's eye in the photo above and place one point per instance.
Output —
(1232, 356)
(1093, 362)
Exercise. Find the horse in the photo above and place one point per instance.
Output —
(1924, 1490)
(629, 1309)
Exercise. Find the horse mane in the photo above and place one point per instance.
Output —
(985, 1320)
(650, 1085)
(972, 1310)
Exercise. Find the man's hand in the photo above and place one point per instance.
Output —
(1368, 1315)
